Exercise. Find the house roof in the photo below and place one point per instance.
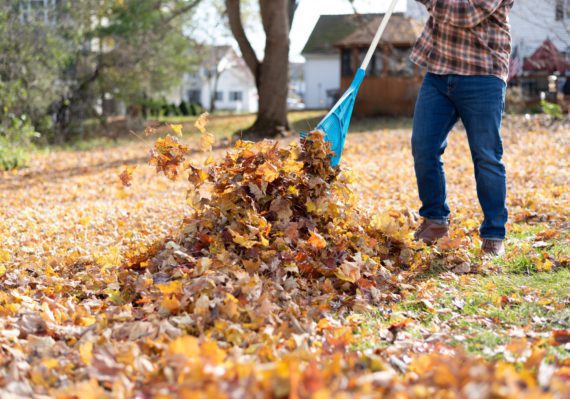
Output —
(400, 30)
(332, 28)
(546, 58)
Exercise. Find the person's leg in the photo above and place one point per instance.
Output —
(434, 117)
(480, 101)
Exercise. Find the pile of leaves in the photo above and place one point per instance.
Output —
(275, 240)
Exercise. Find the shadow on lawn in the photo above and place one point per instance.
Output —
(357, 125)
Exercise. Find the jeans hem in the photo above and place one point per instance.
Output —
(439, 221)
(493, 238)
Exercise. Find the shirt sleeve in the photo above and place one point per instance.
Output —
(463, 13)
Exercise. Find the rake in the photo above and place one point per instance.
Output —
(335, 123)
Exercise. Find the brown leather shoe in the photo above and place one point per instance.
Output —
(493, 247)
(430, 231)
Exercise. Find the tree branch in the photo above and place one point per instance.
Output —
(182, 10)
(236, 26)
(293, 4)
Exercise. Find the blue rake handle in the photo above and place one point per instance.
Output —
(335, 123)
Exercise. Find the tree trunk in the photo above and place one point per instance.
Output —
(272, 74)
(213, 92)
(273, 82)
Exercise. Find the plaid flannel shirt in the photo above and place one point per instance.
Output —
(465, 37)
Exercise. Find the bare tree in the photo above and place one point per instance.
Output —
(272, 73)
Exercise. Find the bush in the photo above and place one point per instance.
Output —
(16, 135)
(184, 108)
(196, 109)
(552, 110)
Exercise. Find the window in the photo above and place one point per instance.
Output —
(195, 96)
(236, 96)
(559, 10)
(399, 63)
(376, 66)
(346, 62)
(38, 10)
(219, 96)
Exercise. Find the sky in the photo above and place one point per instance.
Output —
(306, 17)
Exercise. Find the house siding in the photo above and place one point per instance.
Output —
(322, 73)
(532, 23)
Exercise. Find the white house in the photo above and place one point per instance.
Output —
(533, 22)
(322, 60)
(224, 77)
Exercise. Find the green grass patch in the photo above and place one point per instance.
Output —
(481, 314)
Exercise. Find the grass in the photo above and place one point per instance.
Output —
(482, 313)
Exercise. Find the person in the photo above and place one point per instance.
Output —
(465, 47)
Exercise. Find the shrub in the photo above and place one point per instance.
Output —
(16, 134)
(552, 110)
(196, 109)
(184, 108)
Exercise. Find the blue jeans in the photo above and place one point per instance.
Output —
(479, 102)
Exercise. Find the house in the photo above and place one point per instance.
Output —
(541, 39)
(393, 81)
(223, 82)
(532, 23)
(322, 61)
(42, 10)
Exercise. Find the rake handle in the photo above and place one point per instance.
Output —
(379, 34)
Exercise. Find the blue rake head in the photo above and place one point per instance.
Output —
(335, 123)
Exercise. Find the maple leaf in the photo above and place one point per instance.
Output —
(207, 140)
(186, 345)
(126, 175)
(268, 172)
(201, 122)
(176, 129)
(168, 155)
(316, 240)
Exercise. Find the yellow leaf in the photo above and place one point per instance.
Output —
(187, 346)
(50, 363)
(268, 172)
(4, 255)
(201, 122)
(171, 303)
(292, 190)
(83, 390)
(245, 242)
(212, 352)
(544, 266)
(385, 223)
(206, 142)
(87, 321)
(172, 287)
(86, 352)
(177, 129)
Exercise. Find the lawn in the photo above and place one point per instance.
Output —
(458, 325)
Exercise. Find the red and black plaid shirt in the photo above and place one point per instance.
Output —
(466, 37)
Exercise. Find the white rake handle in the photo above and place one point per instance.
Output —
(379, 34)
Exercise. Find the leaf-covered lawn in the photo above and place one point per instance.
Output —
(461, 326)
